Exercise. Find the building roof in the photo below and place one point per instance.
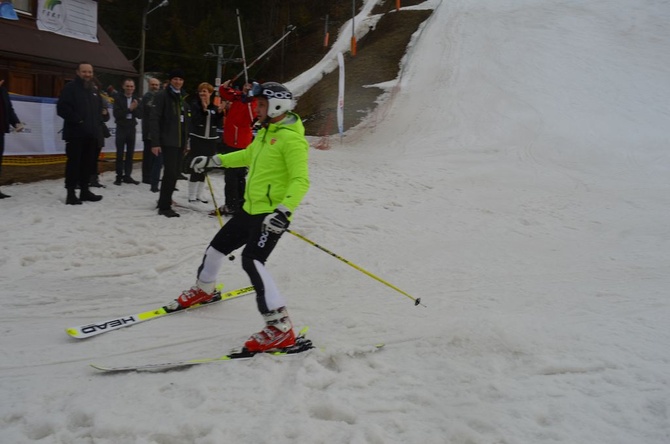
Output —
(21, 40)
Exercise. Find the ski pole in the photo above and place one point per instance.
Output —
(290, 29)
(417, 301)
(216, 206)
(244, 62)
(244, 58)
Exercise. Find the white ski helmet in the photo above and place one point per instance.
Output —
(280, 99)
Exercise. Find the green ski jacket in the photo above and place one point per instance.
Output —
(278, 166)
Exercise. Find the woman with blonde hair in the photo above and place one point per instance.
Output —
(203, 137)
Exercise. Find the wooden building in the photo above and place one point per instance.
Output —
(34, 62)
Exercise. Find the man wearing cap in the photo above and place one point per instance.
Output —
(168, 128)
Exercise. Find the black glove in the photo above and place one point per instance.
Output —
(277, 222)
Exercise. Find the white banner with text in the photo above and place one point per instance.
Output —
(43, 129)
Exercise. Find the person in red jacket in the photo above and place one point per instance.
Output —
(237, 135)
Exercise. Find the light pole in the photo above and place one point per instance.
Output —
(353, 28)
(146, 12)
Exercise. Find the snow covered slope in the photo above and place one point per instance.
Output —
(517, 181)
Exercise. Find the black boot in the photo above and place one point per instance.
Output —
(168, 213)
(95, 182)
(86, 195)
(128, 179)
(72, 198)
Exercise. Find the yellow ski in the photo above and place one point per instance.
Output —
(97, 328)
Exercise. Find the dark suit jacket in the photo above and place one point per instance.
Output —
(121, 111)
(8, 114)
(81, 110)
(170, 119)
(145, 112)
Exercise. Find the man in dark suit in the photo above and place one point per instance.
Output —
(81, 108)
(126, 113)
(7, 118)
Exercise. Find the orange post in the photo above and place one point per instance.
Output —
(397, 5)
(353, 46)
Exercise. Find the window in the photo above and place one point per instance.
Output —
(27, 6)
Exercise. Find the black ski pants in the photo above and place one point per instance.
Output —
(246, 230)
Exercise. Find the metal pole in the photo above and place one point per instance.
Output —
(244, 58)
(283, 53)
(144, 42)
(145, 13)
(291, 28)
(353, 28)
(219, 62)
(217, 80)
(353, 17)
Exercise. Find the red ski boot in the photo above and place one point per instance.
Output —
(277, 334)
(202, 292)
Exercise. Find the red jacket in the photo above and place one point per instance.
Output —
(239, 118)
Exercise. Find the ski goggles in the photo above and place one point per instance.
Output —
(257, 90)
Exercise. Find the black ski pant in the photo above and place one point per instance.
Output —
(246, 229)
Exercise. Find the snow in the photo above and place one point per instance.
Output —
(516, 179)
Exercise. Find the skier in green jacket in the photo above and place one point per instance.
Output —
(278, 180)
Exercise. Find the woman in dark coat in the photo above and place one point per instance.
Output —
(205, 125)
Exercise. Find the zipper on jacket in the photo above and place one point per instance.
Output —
(180, 112)
(248, 187)
(268, 194)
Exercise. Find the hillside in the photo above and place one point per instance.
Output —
(378, 60)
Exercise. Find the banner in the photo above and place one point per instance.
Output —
(72, 18)
(43, 129)
(340, 97)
